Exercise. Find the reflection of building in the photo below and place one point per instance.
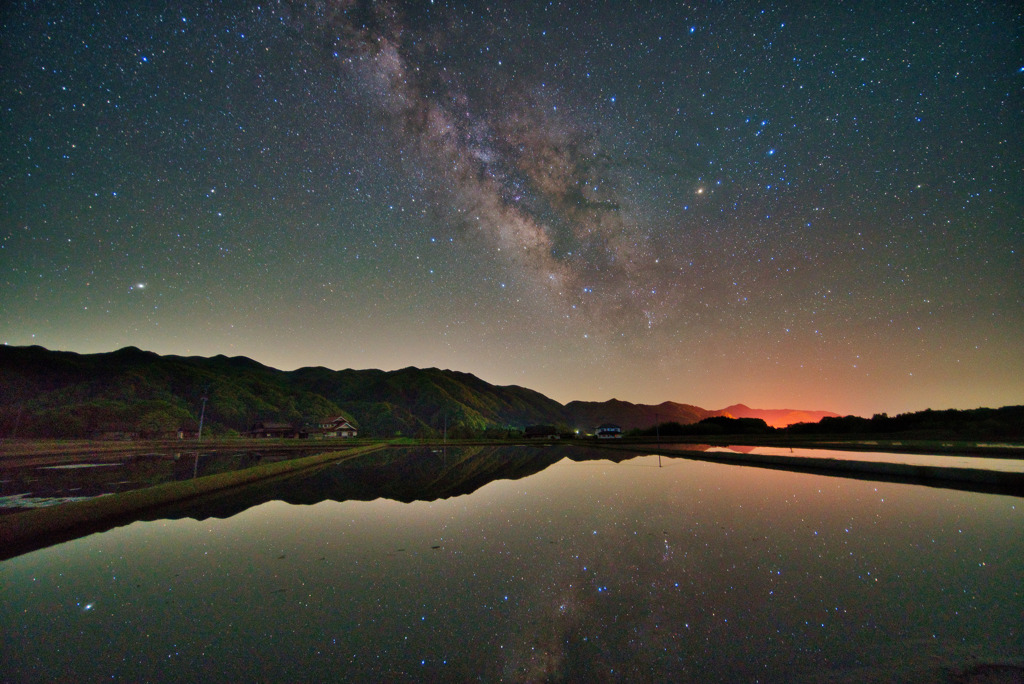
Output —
(337, 427)
(280, 430)
(541, 432)
(608, 431)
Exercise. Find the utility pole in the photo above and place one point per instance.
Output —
(202, 414)
(199, 438)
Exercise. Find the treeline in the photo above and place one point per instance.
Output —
(1006, 423)
(151, 418)
(981, 423)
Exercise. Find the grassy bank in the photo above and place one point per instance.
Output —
(27, 530)
(72, 448)
(890, 444)
(973, 479)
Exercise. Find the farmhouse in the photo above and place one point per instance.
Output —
(608, 431)
(338, 427)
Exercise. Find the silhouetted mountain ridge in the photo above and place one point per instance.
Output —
(55, 394)
(776, 417)
(631, 416)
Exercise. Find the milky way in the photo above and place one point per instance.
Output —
(508, 165)
(784, 206)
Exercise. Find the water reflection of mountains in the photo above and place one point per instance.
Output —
(406, 475)
(429, 474)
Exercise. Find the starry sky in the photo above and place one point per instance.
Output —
(785, 205)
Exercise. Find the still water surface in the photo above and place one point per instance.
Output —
(1003, 464)
(35, 486)
(583, 571)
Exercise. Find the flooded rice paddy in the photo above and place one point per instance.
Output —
(532, 564)
(35, 485)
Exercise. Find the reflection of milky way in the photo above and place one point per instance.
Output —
(540, 649)
(517, 173)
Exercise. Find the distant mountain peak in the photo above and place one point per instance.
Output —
(776, 417)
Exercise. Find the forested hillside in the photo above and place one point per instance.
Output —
(63, 395)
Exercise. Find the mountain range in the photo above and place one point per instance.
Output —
(57, 394)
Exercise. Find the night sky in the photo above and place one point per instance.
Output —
(799, 206)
